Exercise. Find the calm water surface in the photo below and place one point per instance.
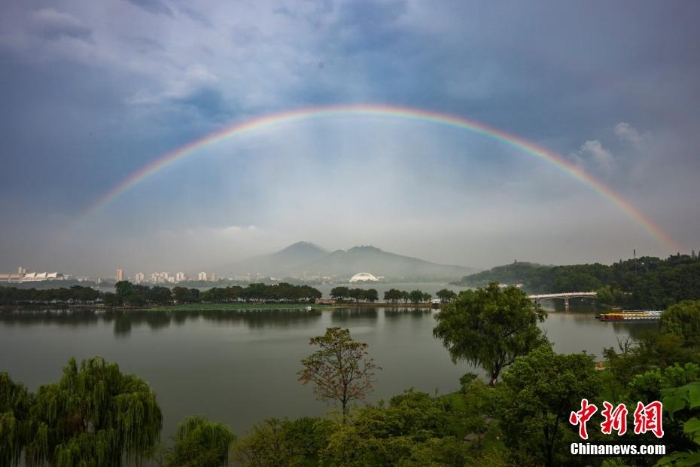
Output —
(240, 368)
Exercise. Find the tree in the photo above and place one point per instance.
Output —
(371, 295)
(340, 293)
(275, 442)
(201, 443)
(415, 429)
(340, 369)
(416, 296)
(94, 415)
(356, 294)
(393, 295)
(185, 295)
(15, 402)
(539, 393)
(127, 294)
(683, 320)
(490, 327)
(445, 295)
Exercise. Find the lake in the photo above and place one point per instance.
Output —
(240, 368)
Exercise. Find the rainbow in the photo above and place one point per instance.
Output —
(403, 113)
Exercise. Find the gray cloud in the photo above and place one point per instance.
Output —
(594, 157)
(54, 24)
(627, 133)
(93, 97)
(153, 6)
(195, 15)
(146, 46)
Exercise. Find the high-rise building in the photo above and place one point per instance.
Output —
(212, 277)
(202, 276)
(180, 276)
(120, 275)
(139, 277)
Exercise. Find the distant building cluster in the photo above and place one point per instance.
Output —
(23, 276)
(169, 278)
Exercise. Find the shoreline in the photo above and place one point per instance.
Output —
(217, 307)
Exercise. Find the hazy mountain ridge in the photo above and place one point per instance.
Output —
(309, 259)
(281, 262)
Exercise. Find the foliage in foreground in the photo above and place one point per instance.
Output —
(538, 393)
(414, 429)
(201, 443)
(94, 415)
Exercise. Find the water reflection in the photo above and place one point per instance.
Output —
(254, 368)
(122, 325)
(416, 313)
(258, 319)
(634, 330)
(125, 320)
(347, 315)
(64, 316)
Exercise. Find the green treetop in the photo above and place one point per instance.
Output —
(490, 327)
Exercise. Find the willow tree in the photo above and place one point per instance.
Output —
(94, 415)
(490, 327)
(340, 370)
(14, 419)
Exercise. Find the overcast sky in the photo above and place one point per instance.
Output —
(91, 92)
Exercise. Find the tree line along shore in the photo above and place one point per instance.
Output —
(256, 295)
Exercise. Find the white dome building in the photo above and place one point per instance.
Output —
(363, 277)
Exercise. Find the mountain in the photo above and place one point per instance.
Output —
(307, 258)
(280, 263)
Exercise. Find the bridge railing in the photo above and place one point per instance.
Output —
(563, 295)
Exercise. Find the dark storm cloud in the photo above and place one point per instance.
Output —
(153, 6)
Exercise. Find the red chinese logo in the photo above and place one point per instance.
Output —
(648, 418)
(614, 419)
(582, 416)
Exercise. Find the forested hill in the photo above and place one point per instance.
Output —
(646, 282)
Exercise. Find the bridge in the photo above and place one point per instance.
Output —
(564, 295)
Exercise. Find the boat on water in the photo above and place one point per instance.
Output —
(631, 315)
